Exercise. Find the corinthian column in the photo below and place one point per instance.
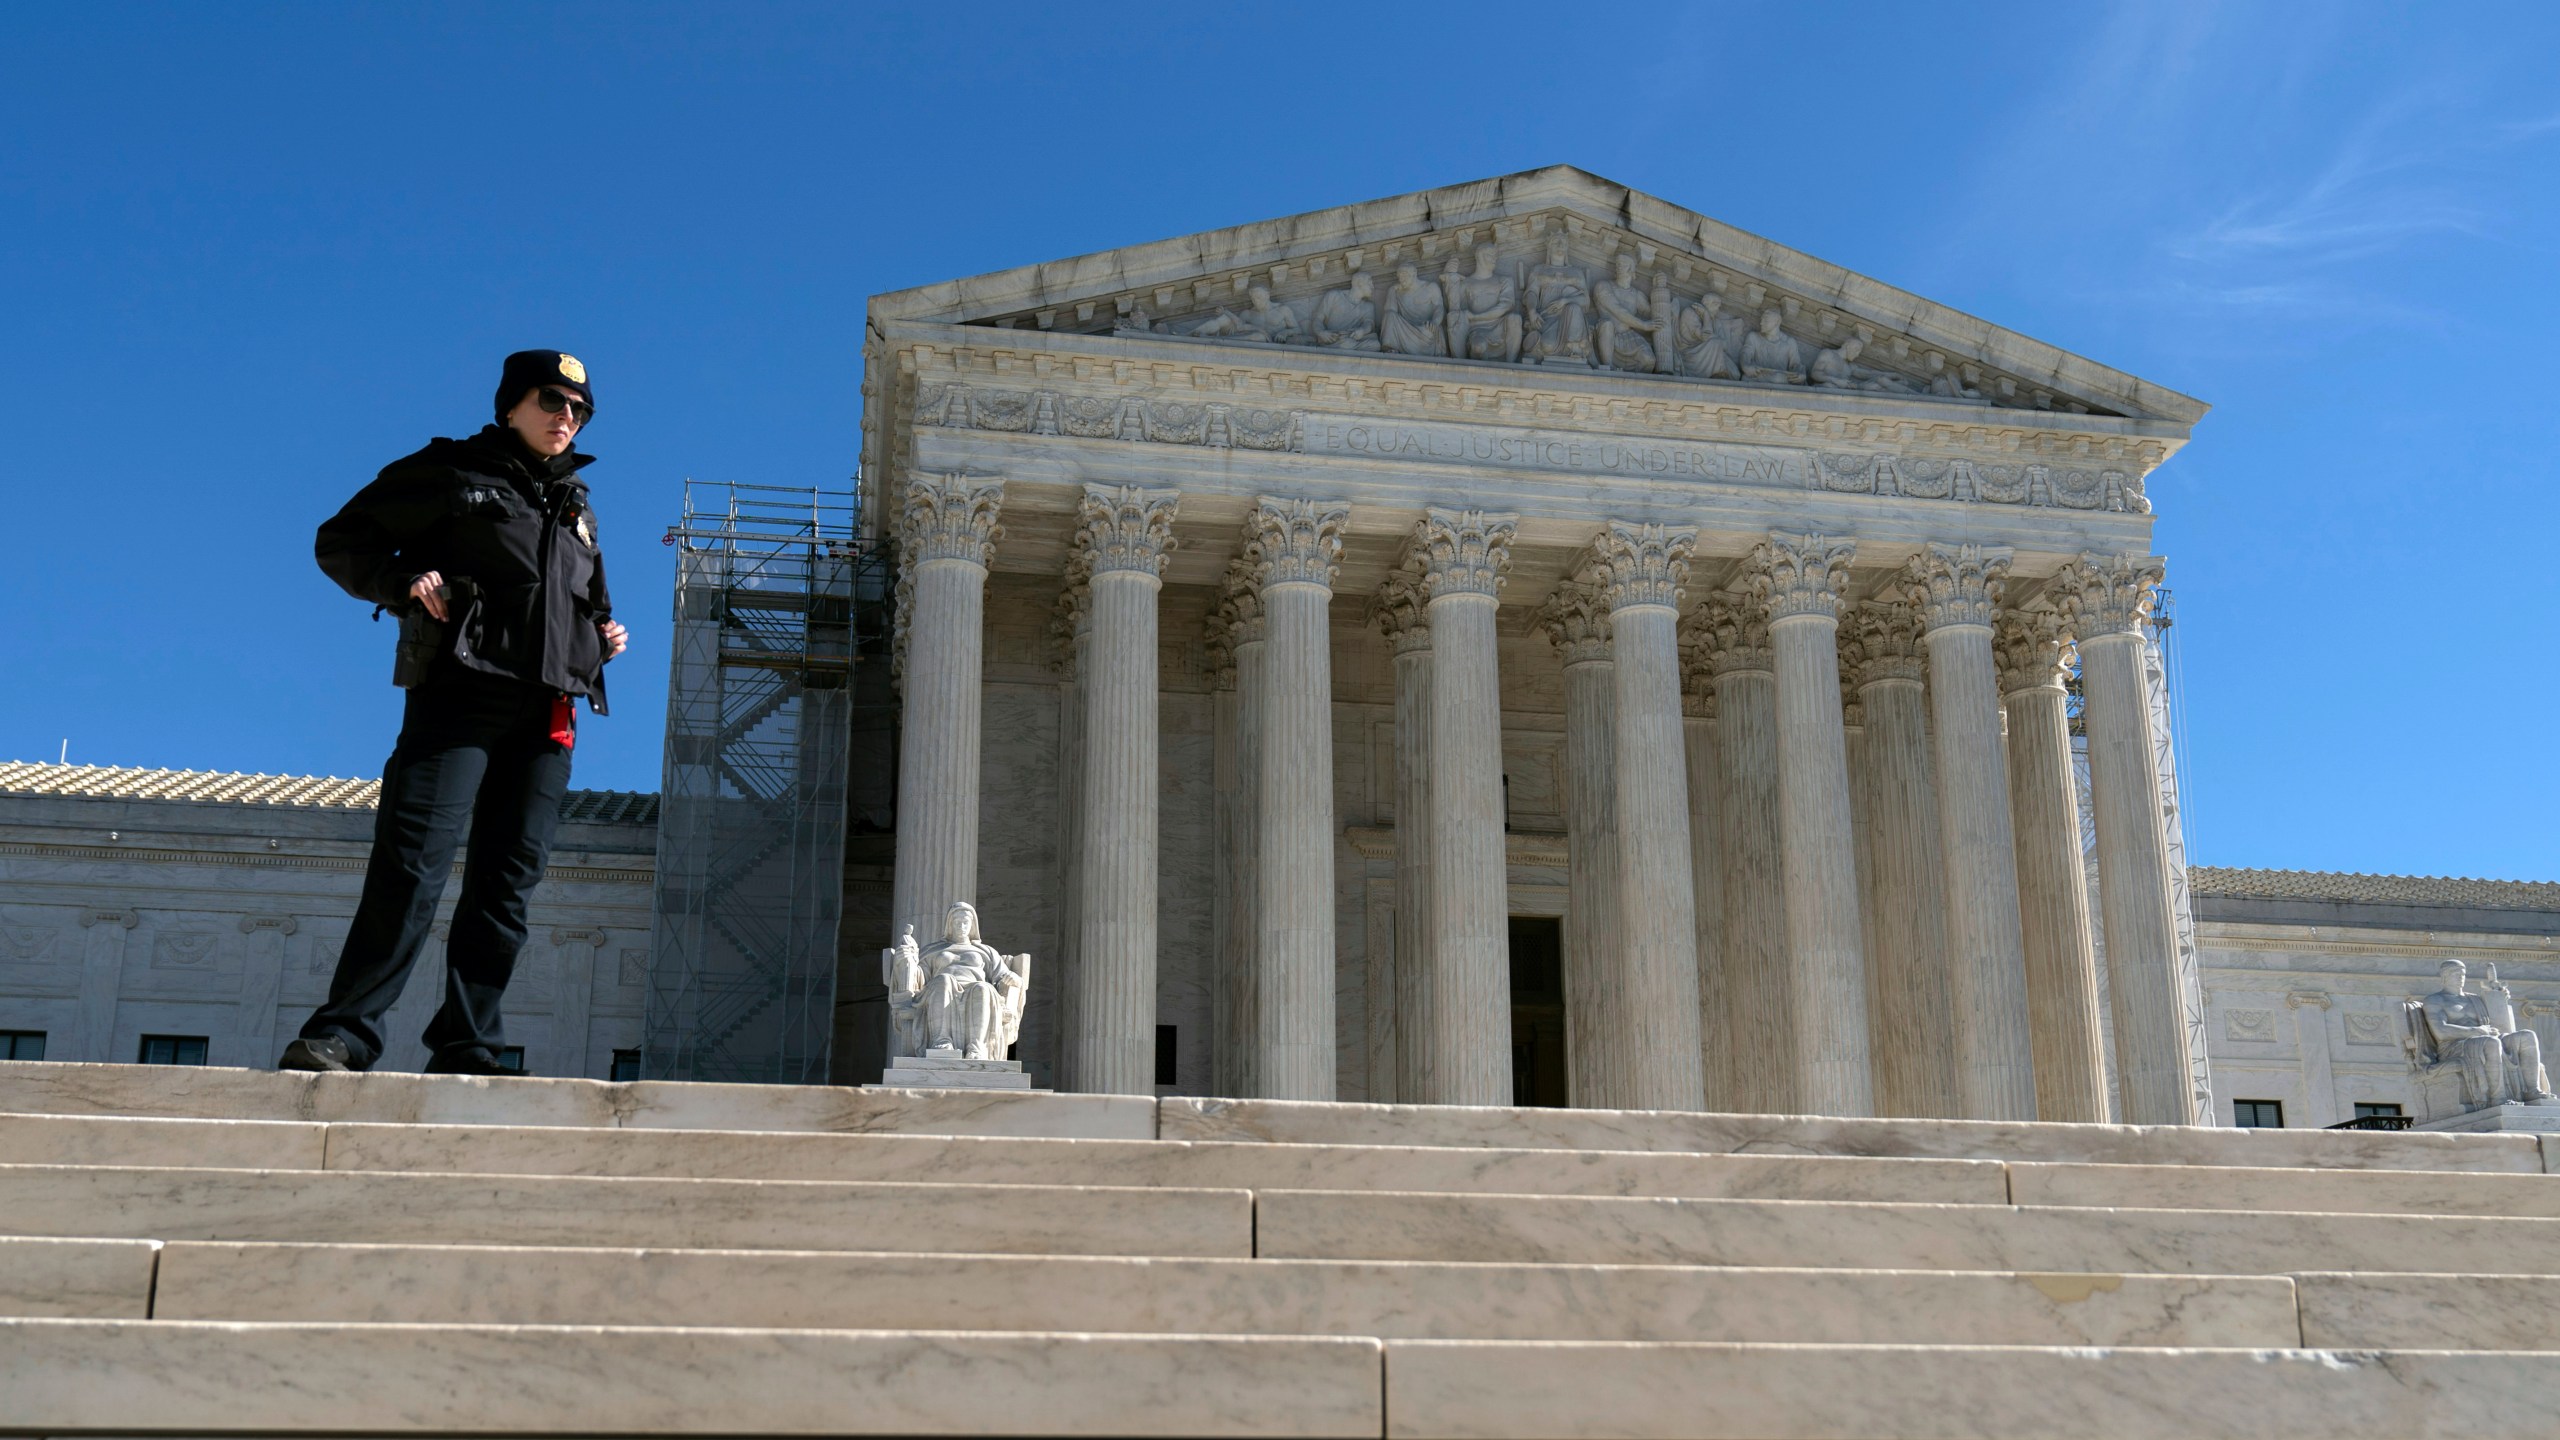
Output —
(1706, 871)
(1402, 611)
(1756, 1031)
(1461, 557)
(1905, 878)
(2105, 599)
(2053, 892)
(1053, 1020)
(1122, 534)
(1576, 620)
(947, 528)
(1799, 578)
(1237, 626)
(1959, 589)
(1655, 1063)
(1294, 544)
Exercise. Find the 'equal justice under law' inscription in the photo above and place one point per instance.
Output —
(1550, 450)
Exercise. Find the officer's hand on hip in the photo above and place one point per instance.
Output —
(616, 639)
(428, 590)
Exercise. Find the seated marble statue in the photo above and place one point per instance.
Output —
(1771, 354)
(1839, 368)
(1261, 319)
(972, 997)
(1697, 346)
(1484, 311)
(1410, 323)
(1348, 319)
(2498, 1061)
(1559, 307)
(1136, 322)
(1623, 337)
(1946, 384)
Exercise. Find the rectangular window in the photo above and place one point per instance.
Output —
(21, 1044)
(512, 1058)
(172, 1050)
(626, 1064)
(2258, 1114)
(1165, 1054)
(2367, 1109)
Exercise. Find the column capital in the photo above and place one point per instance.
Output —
(1800, 574)
(951, 517)
(1959, 584)
(1071, 620)
(1853, 709)
(1729, 634)
(2027, 647)
(1575, 620)
(1402, 609)
(2106, 594)
(1124, 528)
(1880, 640)
(1642, 564)
(1461, 552)
(1236, 620)
(1295, 542)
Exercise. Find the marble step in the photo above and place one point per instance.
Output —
(106, 1202)
(1479, 1390)
(1307, 1122)
(192, 1378)
(794, 1290)
(2234, 1187)
(1583, 1230)
(745, 1155)
(212, 1093)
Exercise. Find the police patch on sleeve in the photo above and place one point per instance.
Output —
(572, 371)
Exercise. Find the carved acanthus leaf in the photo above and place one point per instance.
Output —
(1642, 564)
(1800, 574)
(1959, 584)
(1461, 552)
(1124, 528)
(1402, 609)
(1576, 620)
(2031, 650)
(1880, 640)
(2106, 594)
(1731, 633)
(951, 517)
(1295, 542)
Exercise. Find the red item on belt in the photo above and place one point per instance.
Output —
(564, 722)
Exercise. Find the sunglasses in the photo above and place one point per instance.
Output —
(553, 402)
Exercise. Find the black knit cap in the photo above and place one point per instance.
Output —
(527, 369)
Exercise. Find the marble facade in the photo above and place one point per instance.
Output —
(1586, 463)
(154, 902)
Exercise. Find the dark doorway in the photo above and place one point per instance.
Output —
(1537, 1011)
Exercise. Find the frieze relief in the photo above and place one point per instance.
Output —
(1220, 425)
(1550, 293)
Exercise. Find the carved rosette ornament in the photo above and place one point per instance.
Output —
(2029, 648)
(1959, 584)
(2106, 594)
(1402, 610)
(1462, 552)
(951, 517)
(1880, 640)
(1642, 564)
(1731, 633)
(1796, 575)
(1576, 620)
(1124, 528)
(1295, 542)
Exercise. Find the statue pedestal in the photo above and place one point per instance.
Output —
(2541, 1119)
(949, 1072)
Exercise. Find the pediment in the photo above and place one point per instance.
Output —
(1467, 274)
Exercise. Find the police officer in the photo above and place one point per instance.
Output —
(486, 548)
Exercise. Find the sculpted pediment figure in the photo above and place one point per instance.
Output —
(1770, 354)
(1484, 311)
(1412, 323)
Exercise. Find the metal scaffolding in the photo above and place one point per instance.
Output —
(751, 829)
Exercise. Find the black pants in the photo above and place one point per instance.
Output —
(480, 750)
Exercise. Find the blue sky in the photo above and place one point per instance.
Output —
(249, 253)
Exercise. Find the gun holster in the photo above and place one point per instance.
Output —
(423, 638)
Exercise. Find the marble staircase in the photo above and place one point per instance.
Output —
(230, 1252)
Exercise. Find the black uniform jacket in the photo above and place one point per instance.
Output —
(511, 532)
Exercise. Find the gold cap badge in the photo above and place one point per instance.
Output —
(572, 371)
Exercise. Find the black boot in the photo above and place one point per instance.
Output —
(327, 1053)
(467, 1060)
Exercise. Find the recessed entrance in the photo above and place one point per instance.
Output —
(1537, 1011)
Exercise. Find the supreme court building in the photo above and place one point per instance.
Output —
(1527, 639)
